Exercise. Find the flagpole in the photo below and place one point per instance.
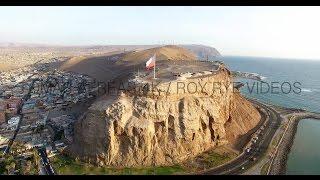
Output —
(154, 68)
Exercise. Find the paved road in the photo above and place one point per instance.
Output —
(45, 164)
(258, 149)
(25, 98)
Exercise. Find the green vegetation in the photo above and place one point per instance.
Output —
(264, 168)
(8, 165)
(29, 168)
(212, 159)
(66, 165)
(275, 141)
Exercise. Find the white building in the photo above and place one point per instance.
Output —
(14, 120)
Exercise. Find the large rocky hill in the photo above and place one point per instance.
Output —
(166, 126)
(111, 65)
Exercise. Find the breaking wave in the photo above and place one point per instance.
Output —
(306, 90)
(263, 77)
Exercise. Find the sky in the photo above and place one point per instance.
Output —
(285, 32)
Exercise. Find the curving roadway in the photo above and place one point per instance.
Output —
(246, 160)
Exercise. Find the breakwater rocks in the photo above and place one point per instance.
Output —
(279, 164)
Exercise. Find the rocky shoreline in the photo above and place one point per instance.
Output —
(248, 75)
(280, 162)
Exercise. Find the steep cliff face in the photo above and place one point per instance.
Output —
(180, 119)
(243, 117)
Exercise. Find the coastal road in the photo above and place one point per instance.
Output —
(247, 159)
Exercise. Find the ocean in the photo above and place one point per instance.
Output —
(305, 73)
(304, 157)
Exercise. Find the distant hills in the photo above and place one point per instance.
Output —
(169, 52)
(12, 54)
(201, 51)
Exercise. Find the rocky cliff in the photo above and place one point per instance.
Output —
(202, 51)
(164, 125)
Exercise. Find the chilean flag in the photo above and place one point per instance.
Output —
(151, 63)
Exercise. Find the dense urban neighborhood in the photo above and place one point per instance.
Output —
(38, 107)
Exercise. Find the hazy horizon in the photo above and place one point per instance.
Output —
(276, 32)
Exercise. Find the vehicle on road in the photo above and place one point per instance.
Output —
(253, 159)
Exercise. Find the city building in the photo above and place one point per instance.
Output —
(14, 120)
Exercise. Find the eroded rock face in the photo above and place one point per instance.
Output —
(163, 128)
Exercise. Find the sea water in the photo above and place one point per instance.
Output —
(304, 157)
